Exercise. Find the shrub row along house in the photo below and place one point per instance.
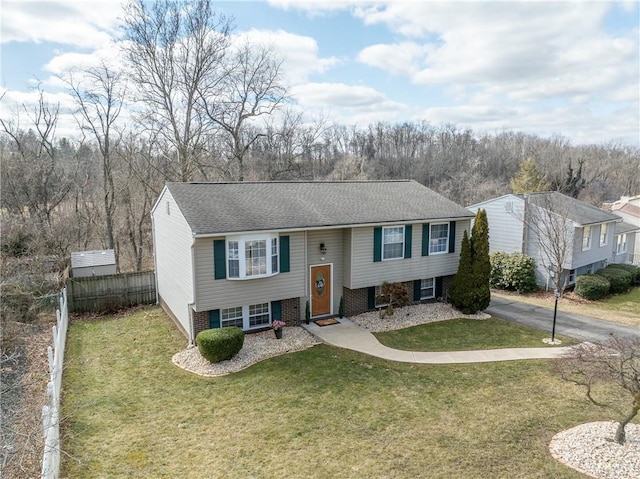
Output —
(556, 229)
(246, 254)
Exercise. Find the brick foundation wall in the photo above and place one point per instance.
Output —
(291, 311)
(200, 321)
(355, 301)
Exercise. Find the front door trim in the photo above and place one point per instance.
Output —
(330, 313)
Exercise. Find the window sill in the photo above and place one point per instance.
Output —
(253, 277)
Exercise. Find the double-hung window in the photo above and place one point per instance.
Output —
(439, 238)
(392, 242)
(252, 256)
(586, 238)
(621, 243)
(603, 234)
(427, 288)
(231, 317)
(258, 315)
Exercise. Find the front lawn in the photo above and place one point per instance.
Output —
(466, 334)
(323, 412)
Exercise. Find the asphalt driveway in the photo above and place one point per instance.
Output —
(575, 326)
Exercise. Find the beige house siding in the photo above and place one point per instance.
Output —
(223, 293)
(365, 272)
(334, 242)
(173, 240)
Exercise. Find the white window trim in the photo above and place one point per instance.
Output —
(403, 239)
(433, 287)
(246, 325)
(604, 227)
(619, 243)
(229, 319)
(378, 292)
(446, 247)
(586, 238)
(242, 240)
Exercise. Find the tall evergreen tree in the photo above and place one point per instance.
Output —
(480, 260)
(462, 289)
(528, 179)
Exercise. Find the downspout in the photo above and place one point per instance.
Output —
(192, 339)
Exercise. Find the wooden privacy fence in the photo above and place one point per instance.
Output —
(97, 294)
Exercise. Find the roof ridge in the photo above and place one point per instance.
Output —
(257, 182)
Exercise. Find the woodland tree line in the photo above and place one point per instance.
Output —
(188, 104)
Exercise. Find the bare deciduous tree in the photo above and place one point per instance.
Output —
(175, 52)
(251, 87)
(99, 95)
(609, 372)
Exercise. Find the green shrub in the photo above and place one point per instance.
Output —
(514, 271)
(220, 344)
(592, 286)
(634, 270)
(619, 279)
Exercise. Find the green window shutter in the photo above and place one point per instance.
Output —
(377, 244)
(285, 265)
(408, 236)
(276, 310)
(439, 287)
(416, 289)
(452, 236)
(371, 297)
(219, 259)
(214, 319)
(425, 239)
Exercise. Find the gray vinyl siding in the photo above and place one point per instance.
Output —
(596, 252)
(346, 248)
(173, 240)
(334, 242)
(223, 293)
(365, 272)
(505, 228)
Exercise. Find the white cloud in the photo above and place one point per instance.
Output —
(85, 24)
(300, 54)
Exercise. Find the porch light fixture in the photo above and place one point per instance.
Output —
(323, 250)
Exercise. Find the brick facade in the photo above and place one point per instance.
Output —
(291, 311)
(355, 301)
(200, 321)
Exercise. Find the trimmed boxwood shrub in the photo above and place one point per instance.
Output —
(515, 271)
(220, 344)
(619, 279)
(592, 286)
(634, 270)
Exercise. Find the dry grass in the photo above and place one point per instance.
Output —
(622, 308)
(323, 412)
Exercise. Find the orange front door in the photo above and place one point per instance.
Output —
(321, 290)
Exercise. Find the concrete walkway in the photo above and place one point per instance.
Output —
(350, 336)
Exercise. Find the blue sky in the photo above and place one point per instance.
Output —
(541, 67)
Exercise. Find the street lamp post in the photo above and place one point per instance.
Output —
(556, 293)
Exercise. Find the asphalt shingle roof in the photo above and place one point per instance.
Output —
(212, 208)
(575, 210)
(84, 259)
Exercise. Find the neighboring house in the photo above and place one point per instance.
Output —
(525, 224)
(93, 263)
(628, 239)
(625, 244)
(244, 254)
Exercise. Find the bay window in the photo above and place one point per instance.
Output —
(252, 256)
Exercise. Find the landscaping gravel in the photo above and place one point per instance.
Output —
(257, 347)
(590, 449)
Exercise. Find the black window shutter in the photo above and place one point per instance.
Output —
(425, 239)
(452, 236)
(214, 319)
(285, 264)
(416, 289)
(377, 244)
(408, 236)
(276, 310)
(439, 287)
(371, 297)
(219, 260)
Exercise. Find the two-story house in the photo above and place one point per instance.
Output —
(627, 239)
(245, 254)
(541, 225)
